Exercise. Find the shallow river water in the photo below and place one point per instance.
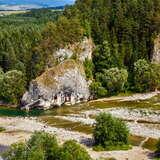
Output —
(150, 107)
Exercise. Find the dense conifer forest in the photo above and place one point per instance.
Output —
(123, 32)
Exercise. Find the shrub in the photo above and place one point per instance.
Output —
(146, 76)
(44, 143)
(97, 90)
(110, 131)
(155, 77)
(15, 152)
(141, 75)
(12, 86)
(113, 79)
(43, 146)
(73, 151)
(88, 65)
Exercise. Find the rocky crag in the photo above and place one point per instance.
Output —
(63, 84)
(80, 51)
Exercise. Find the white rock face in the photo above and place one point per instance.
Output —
(63, 54)
(82, 50)
(156, 52)
(65, 83)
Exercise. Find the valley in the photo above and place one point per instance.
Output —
(80, 80)
(76, 122)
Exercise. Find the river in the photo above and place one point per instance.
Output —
(142, 116)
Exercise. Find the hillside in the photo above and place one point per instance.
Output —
(81, 83)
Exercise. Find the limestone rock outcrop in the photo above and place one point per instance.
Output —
(82, 50)
(64, 84)
(156, 52)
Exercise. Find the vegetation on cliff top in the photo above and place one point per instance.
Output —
(46, 78)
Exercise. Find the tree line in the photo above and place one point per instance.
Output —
(29, 47)
(123, 32)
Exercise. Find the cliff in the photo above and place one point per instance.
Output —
(64, 84)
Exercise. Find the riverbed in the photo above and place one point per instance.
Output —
(142, 115)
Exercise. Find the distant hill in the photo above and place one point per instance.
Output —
(32, 4)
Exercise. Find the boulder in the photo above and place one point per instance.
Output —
(64, 84)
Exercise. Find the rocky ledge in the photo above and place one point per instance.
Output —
(64, 84)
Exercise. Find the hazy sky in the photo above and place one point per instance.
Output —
(6, 4)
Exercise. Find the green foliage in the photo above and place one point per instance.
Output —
(97, 90)
(123, 32)
(27, 44)
(15, 51)
(73, 151)
(141, 75)
(122, 147)
(42, 15)
(103, 58)
(88, 66)
(63, 31)
(35, 16)
(146, 76)
(54, 35)
(155, 76)
(113, 79)
(45, 143)
(128, 26)
(20, 34)
(16, 151)
(12, 86)
(110, 132)
(43, 146)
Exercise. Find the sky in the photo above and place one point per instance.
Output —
(26, 4)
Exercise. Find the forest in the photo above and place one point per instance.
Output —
(123, 32)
